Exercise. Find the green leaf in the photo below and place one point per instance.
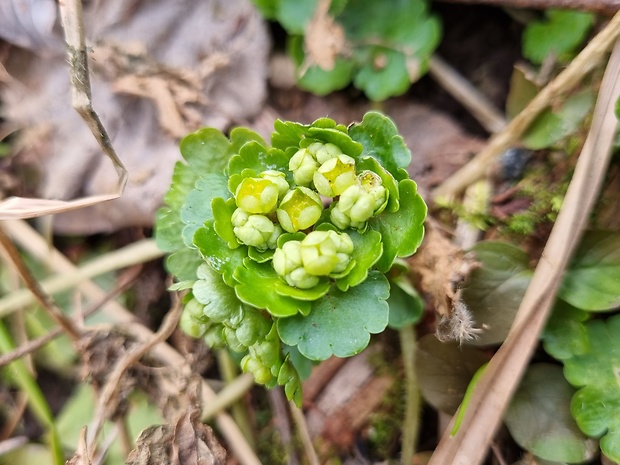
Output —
(168, 230)
(367, 250)
(591, 281)
(184, 263)
(294, 15)
(256, 157)
(539, 417)
(381, 140)
(197, 207)
(206, 151)
(215, 251)
(336, 137)
(341, 322)
(494, 291)
(222, 213)
(596, 405)
(559, 35)
(444, 371)
(287, 134)
(406, 305)
(384, 73)
(322, 82)
(551, 127)
(401, 231)
(240, 136)
(260, 286)
(565, 333)
(219, 299)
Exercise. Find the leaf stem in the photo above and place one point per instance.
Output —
(411, 427)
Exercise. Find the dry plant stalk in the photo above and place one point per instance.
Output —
(19, 207)
(574, 73)
(500, 380)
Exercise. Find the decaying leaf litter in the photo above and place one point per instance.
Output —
(336, 438)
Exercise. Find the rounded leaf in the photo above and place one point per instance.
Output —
(540, 421)
(340, 323)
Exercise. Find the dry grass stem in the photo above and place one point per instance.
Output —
(498, 383)
(138, 252)
(589, 58)
(471, 98)
(44, 299)
(36, 344)
(230, 394)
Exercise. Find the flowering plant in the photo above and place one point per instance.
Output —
(284, 248)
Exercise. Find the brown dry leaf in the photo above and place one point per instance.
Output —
(325, 39)
(100, 351)
(188, 442)
(202, 63)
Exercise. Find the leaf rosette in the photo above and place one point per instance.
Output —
(289, 242)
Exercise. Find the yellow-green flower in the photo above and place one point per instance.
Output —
(255, 230)
(371, 182)
(287, 263)
(335, 175)
(303, 165)
(279, 179)
(353, 208)
(256, 195)
(323, 152)
(299, 209)
(325, 252)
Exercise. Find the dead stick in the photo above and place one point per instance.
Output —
(44, 299)
(599, 6)
(501, 378)
(574, 73)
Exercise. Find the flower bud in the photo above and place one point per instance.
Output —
(303, 165)
(279, 179)
(287, 263)
(323, 152)
(192, 326)
(325, 252)
(299, 209)
(353, 208)
(335, 175)
(371, 182)
(251, 364)
(254, 230)
(256, 195)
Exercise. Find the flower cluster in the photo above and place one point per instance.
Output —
(268, 206)
(284, 248)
